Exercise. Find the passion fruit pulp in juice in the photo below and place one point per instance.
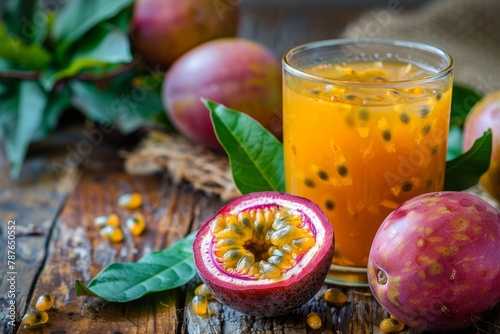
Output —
(360, 150)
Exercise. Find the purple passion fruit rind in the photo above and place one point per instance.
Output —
(249, 290)
(434, 263)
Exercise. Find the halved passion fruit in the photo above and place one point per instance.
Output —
(265, 253)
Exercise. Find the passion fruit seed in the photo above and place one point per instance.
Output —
(404, 117)
(335, 296)
(342, 170)
(260, 243)
(391, 325)
(203, 291)
(44, 302)
(130, 201)
(313, 320)
(136, 224)
(35, 317)
(424, 111)
(309, 183)
(323, 175)
(111, 220)
(426, 129)
(199, 305)
(112, 233)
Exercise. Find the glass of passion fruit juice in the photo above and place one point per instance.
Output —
(365, 127)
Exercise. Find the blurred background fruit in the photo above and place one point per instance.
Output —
(238, 73)
(163, 30)
(483, 116)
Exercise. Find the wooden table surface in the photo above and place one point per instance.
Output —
(68, 247)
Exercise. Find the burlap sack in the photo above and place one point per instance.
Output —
(469, 30)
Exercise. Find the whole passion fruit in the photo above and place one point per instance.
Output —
(434, 261)
(163, 30)
(238, 73)
(483, 116)
(265, 253)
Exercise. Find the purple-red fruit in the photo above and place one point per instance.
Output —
(483, 116)
(434, 263)
(163, 30)
(238, 73)
(265, 253)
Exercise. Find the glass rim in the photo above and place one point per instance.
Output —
(364, 42)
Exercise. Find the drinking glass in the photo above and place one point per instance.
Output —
(365, 127)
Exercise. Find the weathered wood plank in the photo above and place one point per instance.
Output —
(33, 203)
(78, 252)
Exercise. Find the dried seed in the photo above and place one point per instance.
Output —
(407, 186)
(386, 134)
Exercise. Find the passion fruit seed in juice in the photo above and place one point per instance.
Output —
(265, 253)
(113, 234)
(391, 325)
(313, 320)
(203, 290)
(373, 147)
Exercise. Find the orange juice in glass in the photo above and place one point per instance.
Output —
(365, 128)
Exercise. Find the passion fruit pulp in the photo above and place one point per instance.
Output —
(265, 253)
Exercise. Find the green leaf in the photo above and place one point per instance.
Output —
(255, 155)
(102, 46)
(462, 100)
(18, 17)
(79, 16)
(157, 271)
(127, 109)
(57, 103)
(27, 56)
(454, 143)
(464, 171)
(25, 111)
